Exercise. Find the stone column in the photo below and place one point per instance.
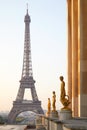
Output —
(79, 57)
(75, 57)
(69, 51)
(73, 54)
(83, 58)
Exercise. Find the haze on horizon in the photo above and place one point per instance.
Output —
(48, 31)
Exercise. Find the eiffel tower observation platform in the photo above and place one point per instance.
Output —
(28, 105)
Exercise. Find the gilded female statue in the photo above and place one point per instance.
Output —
(49, 105)
(54, 101)
(63, 97)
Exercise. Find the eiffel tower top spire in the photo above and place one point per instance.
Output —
(27, 63)
(27, 8)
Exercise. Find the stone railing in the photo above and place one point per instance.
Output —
(49, 123)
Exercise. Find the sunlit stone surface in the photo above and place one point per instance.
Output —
(12, 127)
(77, 56)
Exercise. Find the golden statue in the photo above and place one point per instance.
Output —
(49, 105)
(54, 113)
(54, 101)
(63, 97)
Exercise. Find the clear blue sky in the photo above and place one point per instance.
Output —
(48, 30)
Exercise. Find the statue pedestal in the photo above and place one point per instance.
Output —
(65, 114)
(47, 114)
(54, 114)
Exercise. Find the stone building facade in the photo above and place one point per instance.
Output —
(77, 56)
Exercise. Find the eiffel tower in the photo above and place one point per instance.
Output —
(27, 81)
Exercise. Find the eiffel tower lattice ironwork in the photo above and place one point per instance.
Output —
(27, 81)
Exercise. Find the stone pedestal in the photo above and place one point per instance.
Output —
(65, 114)
(47, 114)
(54, 114)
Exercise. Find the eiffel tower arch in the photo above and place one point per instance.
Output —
(26, 82)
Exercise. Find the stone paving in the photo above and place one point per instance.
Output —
(12, 127)
(77, 124)
(18, 127)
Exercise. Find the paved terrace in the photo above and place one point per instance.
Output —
(19, 127)
(12, 127)
(75, 124)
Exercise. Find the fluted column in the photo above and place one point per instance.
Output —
(75, 57)
(69, 50)
(83, 58)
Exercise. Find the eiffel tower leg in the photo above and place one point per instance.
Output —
(40, 110)
(20, 94)
(34, 94)
(12, 116)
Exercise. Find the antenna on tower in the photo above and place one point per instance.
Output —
(27, 8)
